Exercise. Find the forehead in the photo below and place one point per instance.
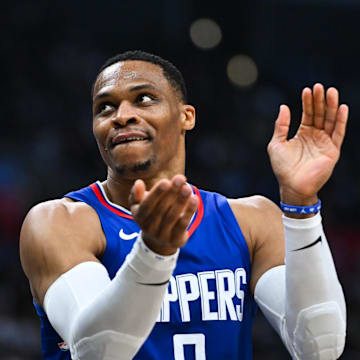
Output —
(128, 72)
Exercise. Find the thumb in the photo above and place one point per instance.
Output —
(282, 123)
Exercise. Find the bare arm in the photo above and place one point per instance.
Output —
(260, 220)
(56, 236)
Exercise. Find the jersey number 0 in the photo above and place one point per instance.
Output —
(180, 340)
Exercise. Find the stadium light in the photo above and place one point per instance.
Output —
(205, 33)
(242, 70)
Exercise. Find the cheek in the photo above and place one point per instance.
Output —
(100, 141)
(163, 121)
(171, 134)
(99, 134)
(170, 120)
(174, 124)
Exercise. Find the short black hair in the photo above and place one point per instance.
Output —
(170, 71)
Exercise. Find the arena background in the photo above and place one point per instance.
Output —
(240, 61)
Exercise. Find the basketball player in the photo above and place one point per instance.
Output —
(144, 265)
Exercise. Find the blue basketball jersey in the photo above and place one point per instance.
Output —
(208, 310)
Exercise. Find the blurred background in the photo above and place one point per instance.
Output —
(240, 60)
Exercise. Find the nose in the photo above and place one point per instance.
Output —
(125, 114)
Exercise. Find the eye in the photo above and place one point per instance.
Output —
(145, 98)
(104, 108)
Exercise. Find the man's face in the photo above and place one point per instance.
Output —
(138, 118)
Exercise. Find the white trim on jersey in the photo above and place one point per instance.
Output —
(111, 203)
(124, 209)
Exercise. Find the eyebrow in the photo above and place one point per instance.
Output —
(134, 88)
(144, 86)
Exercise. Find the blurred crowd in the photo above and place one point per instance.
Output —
(51, 53)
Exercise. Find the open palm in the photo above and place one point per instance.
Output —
(304, 163)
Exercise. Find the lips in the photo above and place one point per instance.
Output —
(128, 137)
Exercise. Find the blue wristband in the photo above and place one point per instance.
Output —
(303, 210)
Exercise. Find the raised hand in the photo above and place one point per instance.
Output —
(163, 213)
(304, 163)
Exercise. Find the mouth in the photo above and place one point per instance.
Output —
(127, 138)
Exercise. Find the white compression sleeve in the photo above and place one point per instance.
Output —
(107, 320)
(303, 300)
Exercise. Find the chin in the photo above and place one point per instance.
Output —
(137, 168)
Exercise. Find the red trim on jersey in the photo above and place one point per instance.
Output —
(194, 225)
(199, 215)
(101, 198)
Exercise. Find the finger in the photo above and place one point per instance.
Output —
(307, 118)
(175, 211)
(154, 212)
(282, 124)
(340, 125)
(153, 224)
(149, 202)
(332, 102)
(134, 209)
(319, 106)
(137, 192)
(179, 230)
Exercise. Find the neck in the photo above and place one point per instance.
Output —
(117, 187)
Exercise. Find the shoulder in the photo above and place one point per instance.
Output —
(258, 217)
(59, 218)
(55, 236)
(52, 212)
(255, 210)
(255, 205)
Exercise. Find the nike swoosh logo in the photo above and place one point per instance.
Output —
(127, 236)
(310, 245)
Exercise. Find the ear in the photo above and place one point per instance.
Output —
(187, 117)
